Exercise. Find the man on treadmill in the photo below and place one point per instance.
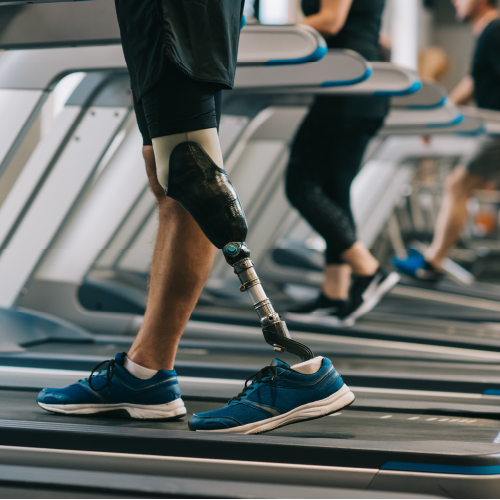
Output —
(483, 84)
(180, 55)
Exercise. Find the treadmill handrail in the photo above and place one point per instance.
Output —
(95, 24)
(468, 126)
(338, 67)
(431, 95)
(445, 116)
(277, 45)
(42, 69)
(386, 79)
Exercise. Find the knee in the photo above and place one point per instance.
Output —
(207, 139)
(459, 184)
(154, 184)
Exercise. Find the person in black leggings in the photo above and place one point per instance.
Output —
(325, 158)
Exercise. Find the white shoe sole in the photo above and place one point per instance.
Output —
(342, 398)
(174, 409)
(385, 287)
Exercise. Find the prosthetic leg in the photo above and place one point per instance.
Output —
(206, 192)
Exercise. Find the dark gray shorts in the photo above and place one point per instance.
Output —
(486, 160)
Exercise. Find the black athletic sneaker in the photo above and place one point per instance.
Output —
(322, 310)
(366, 292)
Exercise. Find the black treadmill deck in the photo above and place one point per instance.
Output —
(349, 438)
(347, 424)
(352, 448)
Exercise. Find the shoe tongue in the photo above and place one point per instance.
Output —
(278, 362)
(120, 358)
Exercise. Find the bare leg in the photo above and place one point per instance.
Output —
(362, 262)
(182, 260)
(358, 260)
(337, 281)
(452, 215)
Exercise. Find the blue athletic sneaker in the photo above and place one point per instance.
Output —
(416, 266)
(279, 395)
(114, 389)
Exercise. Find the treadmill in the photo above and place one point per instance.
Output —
(38, 452)
(19, 227)
(391, 162)
(409, 450)
(464, 283)
(66, 294)
(30, 438)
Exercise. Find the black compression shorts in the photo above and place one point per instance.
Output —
(177, 104)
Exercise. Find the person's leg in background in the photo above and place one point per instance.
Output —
(352, 138)
(483, 168)
(458, 188)
(369, 282)
(309, 160)
(324, 161)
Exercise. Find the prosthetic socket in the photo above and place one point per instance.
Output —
(206, 192)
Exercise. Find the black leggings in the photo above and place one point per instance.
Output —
(177, 103)
(326, 156)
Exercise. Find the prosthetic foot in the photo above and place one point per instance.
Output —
(206, 192)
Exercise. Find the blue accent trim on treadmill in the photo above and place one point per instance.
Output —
(471, 133)
(414, 87)
(243, 22)
(439, 104)
(473, 470)
(318, 54)
(491, 392)
(459, 119)
(341, 83)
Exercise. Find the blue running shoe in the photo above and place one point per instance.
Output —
(114, 389)
(416, 266)
(279, 395)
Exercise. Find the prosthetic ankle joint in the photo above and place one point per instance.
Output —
(274, 329)
(206, 192)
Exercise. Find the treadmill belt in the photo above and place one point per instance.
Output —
(348, 424)
(436, 310)
(356, 449)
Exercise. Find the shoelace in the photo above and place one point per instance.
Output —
(110, 372)
(258, 377)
